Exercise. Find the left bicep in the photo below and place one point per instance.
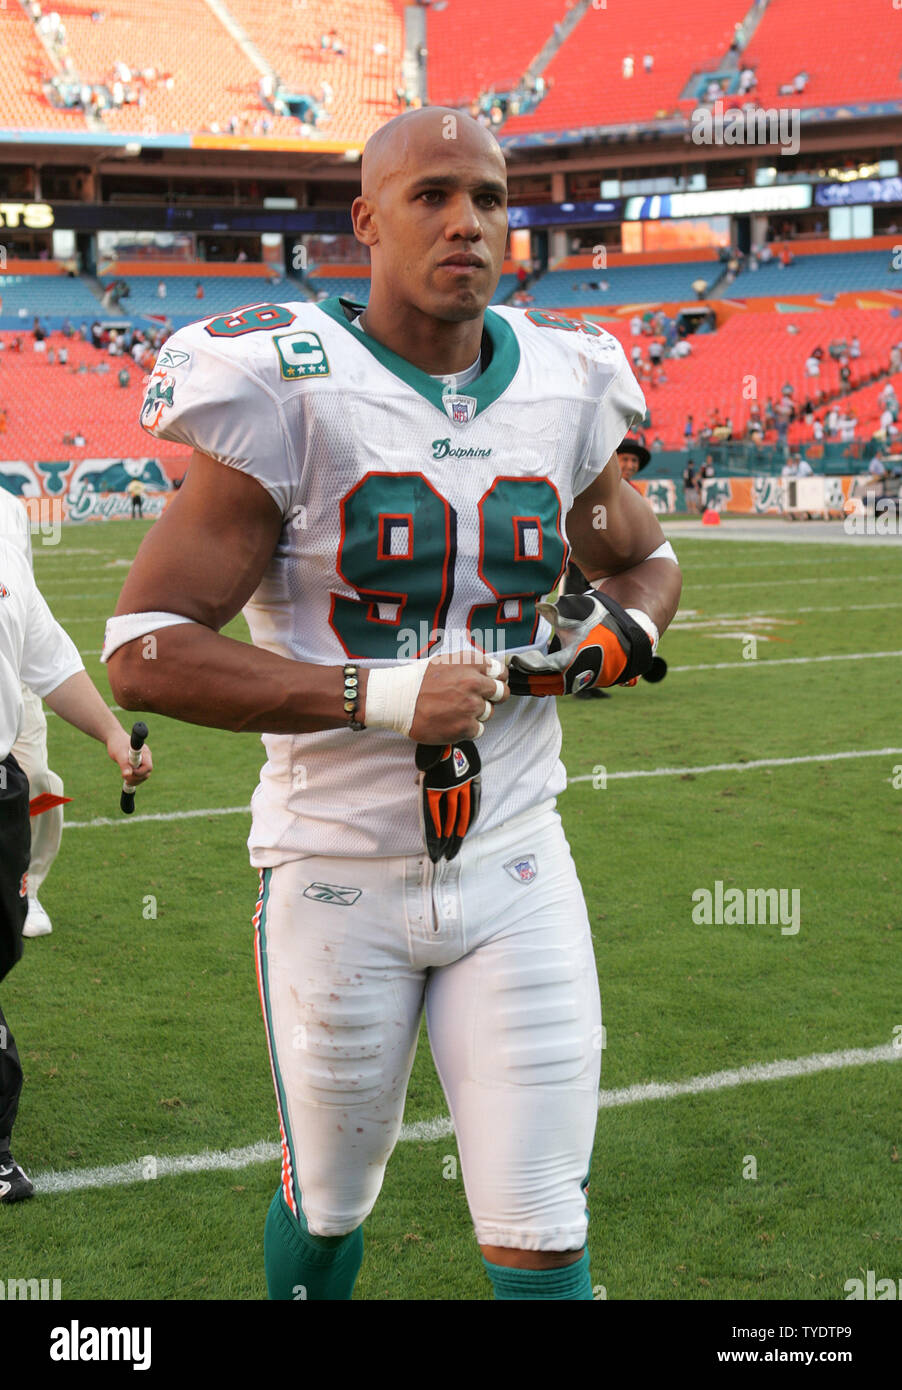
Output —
(610, 525)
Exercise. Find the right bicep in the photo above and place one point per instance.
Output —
(207, 554)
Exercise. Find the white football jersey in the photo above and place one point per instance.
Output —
(417, 519)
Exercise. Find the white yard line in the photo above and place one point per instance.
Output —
(782, 661)
(150, 1167)
(159, 815)
(100, 821)
(687, 618)
(737, 767)
(781, 583)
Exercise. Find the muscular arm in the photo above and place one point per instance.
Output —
(611, 530)
(203, 559)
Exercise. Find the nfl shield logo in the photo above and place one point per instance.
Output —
(523, 869)
(461, 409)
(460, 763)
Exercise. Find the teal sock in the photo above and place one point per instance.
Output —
(569, 1281)
(300, 1265)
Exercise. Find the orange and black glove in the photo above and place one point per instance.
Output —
(595, 643)
(450, 787)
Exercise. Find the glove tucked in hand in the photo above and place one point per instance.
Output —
(450, 786)
(595, 643)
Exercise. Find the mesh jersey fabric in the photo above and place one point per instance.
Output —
(407, 511)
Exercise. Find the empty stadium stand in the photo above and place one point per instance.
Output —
(501, 42)
(363, 81)
(587, 86)
(851, 53)
(626, 284)
(42, 402)
(823, 275)
(24, 65)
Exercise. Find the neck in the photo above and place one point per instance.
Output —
(437, 346)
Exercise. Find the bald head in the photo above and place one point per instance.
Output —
(420, 138)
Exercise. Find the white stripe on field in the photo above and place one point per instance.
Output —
(780, 583)
(209, 1161)
(159, 815)
(758, 1071)
(583, 777)
(739, 767)
(691, 613)
(782, 661)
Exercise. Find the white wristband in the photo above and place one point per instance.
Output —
(127, 626)
(665, 551)
(647, 625)
(391, 696)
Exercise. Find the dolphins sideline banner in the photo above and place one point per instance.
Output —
(56, 490)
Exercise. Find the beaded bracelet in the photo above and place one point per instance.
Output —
(352, 697)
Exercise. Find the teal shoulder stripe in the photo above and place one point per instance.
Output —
(486, 389)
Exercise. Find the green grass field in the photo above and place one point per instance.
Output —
(141, 1035)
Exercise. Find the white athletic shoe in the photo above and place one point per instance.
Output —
(37, 923)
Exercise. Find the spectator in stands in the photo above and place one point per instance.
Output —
(635, 325)
(648, 62)
(800, 81)
(62, 356)
(790, 468)
(689, 429)
(895, 359)
(636, 355)
(747, 80)
(813, 366)
(66, 328)
(655, 352)
(845, 376)
(682, 349)
(124, 379)
(855, 349)
(786, 258)
(161, 290)
(804, 467)
(51, 355)
(199, 291)
(629, 64)
(817, 431)
(848, 423)
(38, 330)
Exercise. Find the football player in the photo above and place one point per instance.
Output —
(388, 493)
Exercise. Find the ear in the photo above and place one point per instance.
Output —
(364, 221)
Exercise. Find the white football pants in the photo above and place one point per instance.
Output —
(497, 946)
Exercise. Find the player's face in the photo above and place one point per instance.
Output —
(442, 222)
(629, 465)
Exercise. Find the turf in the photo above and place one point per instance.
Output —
(139, 1026)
